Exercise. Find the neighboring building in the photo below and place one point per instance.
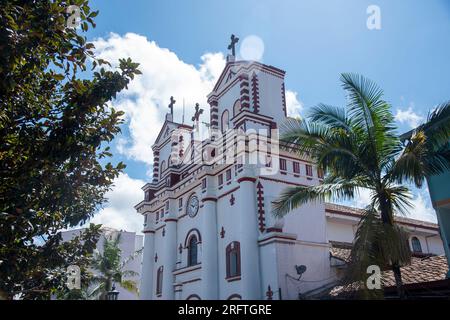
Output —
(129, 244)
(440, 196)
(209, 231)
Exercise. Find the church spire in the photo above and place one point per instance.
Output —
(169, 116)
(232, 46)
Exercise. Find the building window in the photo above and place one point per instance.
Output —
(167, 205)
(162, 213)
(159, 280)
(236, 107)
(268, 161)
(239, 162)
(233, 259)
(225, 121)
(192, 251)
(296, 167)
(145, 220)
(309, 170)
(204, 183)
(228, 173)
(180, 203)
(220, 179)
(320, 173)
(283, 164)
(157, 217)
(163, 166)
(147, 195)
(415, 242)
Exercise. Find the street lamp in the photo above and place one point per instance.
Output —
(113, 294)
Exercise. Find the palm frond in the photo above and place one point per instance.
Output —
(437, 127)
(334, 117)
(129, 285)
(417, 161)
(377, 244)
(293, 197)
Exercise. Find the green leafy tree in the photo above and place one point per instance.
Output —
(55, 126)
(111, 269)
(358, 147)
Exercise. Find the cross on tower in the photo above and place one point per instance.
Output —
(232, 45)
(197, 114)
(172, 102)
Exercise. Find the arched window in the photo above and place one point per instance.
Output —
(225, 121)
(236, 107)
(163, 166)
(233, 258)
(415, 242)
(192, 251)
(159, 280)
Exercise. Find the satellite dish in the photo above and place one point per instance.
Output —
(300, 269)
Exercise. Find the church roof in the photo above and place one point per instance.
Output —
(356, 212)
(171, 125)
(236, 66)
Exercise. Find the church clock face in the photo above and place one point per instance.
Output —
(192, 206)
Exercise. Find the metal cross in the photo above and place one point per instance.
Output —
(232, 45)
(172, 102)
(197, 114)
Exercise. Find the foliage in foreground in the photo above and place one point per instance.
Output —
(55, 125)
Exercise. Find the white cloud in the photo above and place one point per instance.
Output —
(362, 198)
(163, 75)
(409, 117)
(119, 213)
(422, 208)
(293, 105)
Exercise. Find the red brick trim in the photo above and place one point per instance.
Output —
(234, 295)
(231, 279)
(282, 181)
(171, 220)
(193, 231)
(148, 231)
(228, 192)
(209, 199)
(242, 179)
(196, 296)
(190, 268)
(255, 93)
(276, 237)
(193, 280)
(260, 205)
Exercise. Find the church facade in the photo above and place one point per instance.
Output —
(209, 232)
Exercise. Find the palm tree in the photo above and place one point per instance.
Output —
(111, 270)
(358, 147)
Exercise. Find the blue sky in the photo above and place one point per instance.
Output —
(314, 41)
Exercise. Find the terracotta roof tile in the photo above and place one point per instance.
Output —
(426, 269)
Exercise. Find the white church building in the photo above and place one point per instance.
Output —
(209, 232)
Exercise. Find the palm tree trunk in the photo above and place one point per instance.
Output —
(398, 281)
(387, 218)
